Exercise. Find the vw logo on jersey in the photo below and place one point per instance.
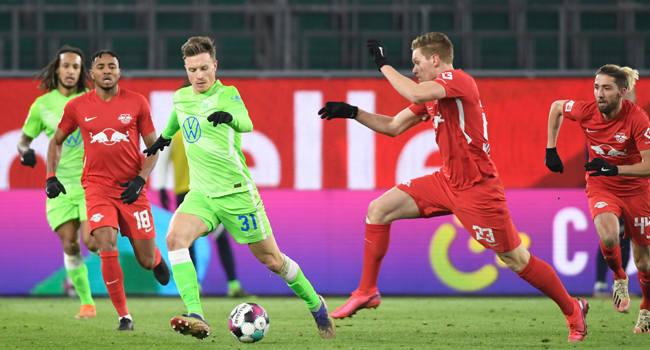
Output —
(74, 139)
(191, 130)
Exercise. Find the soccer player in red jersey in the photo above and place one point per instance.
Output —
(618, 133)
(468, 184)
(111, 120)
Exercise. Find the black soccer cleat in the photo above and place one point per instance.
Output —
(125, 324)
(161, 272)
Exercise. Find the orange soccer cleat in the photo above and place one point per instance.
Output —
(87, 311)
(357, 302)
(578, 321)
(191, 324)
(621, 297)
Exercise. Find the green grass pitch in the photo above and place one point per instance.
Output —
(399, 323)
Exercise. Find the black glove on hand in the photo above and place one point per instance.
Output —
(338, 110)
(600, 167)
(53, 187)
(553, 161)
(159, 145)
(378, 50)
(133, 189)
(28, 158)
(220, 117)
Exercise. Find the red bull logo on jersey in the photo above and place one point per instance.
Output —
(103, 137)
(125, 118)
(620, 137)
(607, 151)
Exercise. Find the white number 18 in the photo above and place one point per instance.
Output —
(142, 218)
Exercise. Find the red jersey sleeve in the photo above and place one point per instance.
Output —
(145, 122)
(641, 131)
(454, 84)
(68, 123)
(574, 110)
(419, 110)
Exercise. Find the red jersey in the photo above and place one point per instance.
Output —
(461, 130)
(618, 141)
(111, 133)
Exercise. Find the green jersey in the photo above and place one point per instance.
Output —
(44, 115)
(217, 164)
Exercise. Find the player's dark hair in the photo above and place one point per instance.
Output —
(625, 78)
(197, 45)
(99, 54)
(50, 78)
(435, 43)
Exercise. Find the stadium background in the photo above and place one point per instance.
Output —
(287, 58)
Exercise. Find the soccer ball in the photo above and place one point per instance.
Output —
(248, 322)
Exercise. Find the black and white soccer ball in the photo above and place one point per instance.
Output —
(248, 322)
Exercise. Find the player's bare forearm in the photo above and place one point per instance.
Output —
(412, 91)
(390, 126)
(637, 170)
(149, 162)
(555, 118)
(24, 143)
(54, 150)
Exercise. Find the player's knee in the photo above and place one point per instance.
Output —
(376, 213)
(70, 247)
(174, 241)
(609, 240)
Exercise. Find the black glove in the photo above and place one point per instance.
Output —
(378, 50)
(133, 189)
(53, 187)
(220, 117)
(600, 167)
(553, 161)
(338, 110)
(159, 145)
(164, 198)
(28, 158)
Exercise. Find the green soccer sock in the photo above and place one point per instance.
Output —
(79, 277)
(303, 288)
(186, 280)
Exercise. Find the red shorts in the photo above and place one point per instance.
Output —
(634, 209)
(482, 209)
(105, 208)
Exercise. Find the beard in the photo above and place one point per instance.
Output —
(610, 107)
(69, 87)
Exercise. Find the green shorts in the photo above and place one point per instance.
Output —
(241, 213)
(66, 207)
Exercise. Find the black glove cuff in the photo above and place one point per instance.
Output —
(551, 151)
(614, 170)
(355, 111)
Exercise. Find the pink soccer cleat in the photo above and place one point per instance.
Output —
(621, 297)
(357, 302)
(578, 323)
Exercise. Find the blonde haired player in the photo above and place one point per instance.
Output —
(468, 184)
(618, 133)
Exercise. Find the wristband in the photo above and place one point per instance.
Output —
(50, 175)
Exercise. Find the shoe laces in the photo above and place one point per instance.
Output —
(620, 288)
(643, 320)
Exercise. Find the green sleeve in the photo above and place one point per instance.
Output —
(234, 105)
(172, 126)
(33, 124)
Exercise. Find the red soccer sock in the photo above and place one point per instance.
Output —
(644, 282)
(613, 258)
(158, 257)
(114, 280)
(374, 250)
(542, 276)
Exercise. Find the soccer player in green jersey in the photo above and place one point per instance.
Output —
(212, 118)
(64, 79)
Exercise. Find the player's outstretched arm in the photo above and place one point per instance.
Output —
(53, 186)
(149, 162)
(391, 126)
(27, 155)
(555, 117)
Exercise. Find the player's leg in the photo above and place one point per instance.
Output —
(608, 230)
(184, 229)
(136, 222)
(268, 253)
(642, 262)
(227, 258)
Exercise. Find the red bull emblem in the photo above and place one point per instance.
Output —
(103, 137)
(125, 118)
(620, 137)
(607, 151)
